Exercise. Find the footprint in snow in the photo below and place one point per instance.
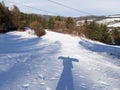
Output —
(41, 76)
(26, 85)
(26, 58)
(9, 56)
(42, 83)
(82, 76)
(103, 83)
(47, 88)
(83, 85)
(53, 78)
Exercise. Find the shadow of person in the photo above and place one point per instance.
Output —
(66, 79)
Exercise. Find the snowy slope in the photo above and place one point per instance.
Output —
(114, 25)
(109, 21)
(57, 62)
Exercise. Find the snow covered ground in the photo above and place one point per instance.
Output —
(57, 62)
(108, 21)
(114, 25)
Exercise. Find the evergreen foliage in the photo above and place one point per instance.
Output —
(98, 32)
(116, 36)
(58, 18)
(50, 23)
(17, 18)
(5, 19)
(69, 22)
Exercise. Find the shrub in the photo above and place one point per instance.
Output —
(98, 32)
(38, 28)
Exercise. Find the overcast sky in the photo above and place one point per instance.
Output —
(93, 7)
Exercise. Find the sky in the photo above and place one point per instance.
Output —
(85, 7)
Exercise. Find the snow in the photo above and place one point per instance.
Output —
(25, 85)
(114, 25)
(111, 22)
(108, 20)
(57, 62)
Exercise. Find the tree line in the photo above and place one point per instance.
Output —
(16, 20)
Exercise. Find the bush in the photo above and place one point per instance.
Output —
(98, 32)
(116, 36)
(38, 28)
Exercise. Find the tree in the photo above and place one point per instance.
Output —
(116, 36)
(17, 18)
(98, 32)
(86, 21)
(50, 23)
(5, 19)
(37, 27)
(69, 22)
(58, 18)
(44, 23)
(93, 31)
(105, 34)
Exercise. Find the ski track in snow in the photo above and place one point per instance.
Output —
(57, 62)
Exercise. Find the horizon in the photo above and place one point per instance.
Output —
(76, 9)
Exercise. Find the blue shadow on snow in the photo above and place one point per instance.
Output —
(95, 47)
(66, 79)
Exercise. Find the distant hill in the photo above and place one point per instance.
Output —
(91, 17)
(109, 20)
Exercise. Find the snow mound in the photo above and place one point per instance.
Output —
(26, 34)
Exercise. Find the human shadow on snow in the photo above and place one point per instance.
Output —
(66, 79)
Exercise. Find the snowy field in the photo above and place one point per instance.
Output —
(114, 25)
(57, 62)
(108, 21)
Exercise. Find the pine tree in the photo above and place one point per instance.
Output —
(58, 18)
(69, 22)
(98, 32)
(116, 36)
(17, 17)
(5, 19)
(50, 23)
